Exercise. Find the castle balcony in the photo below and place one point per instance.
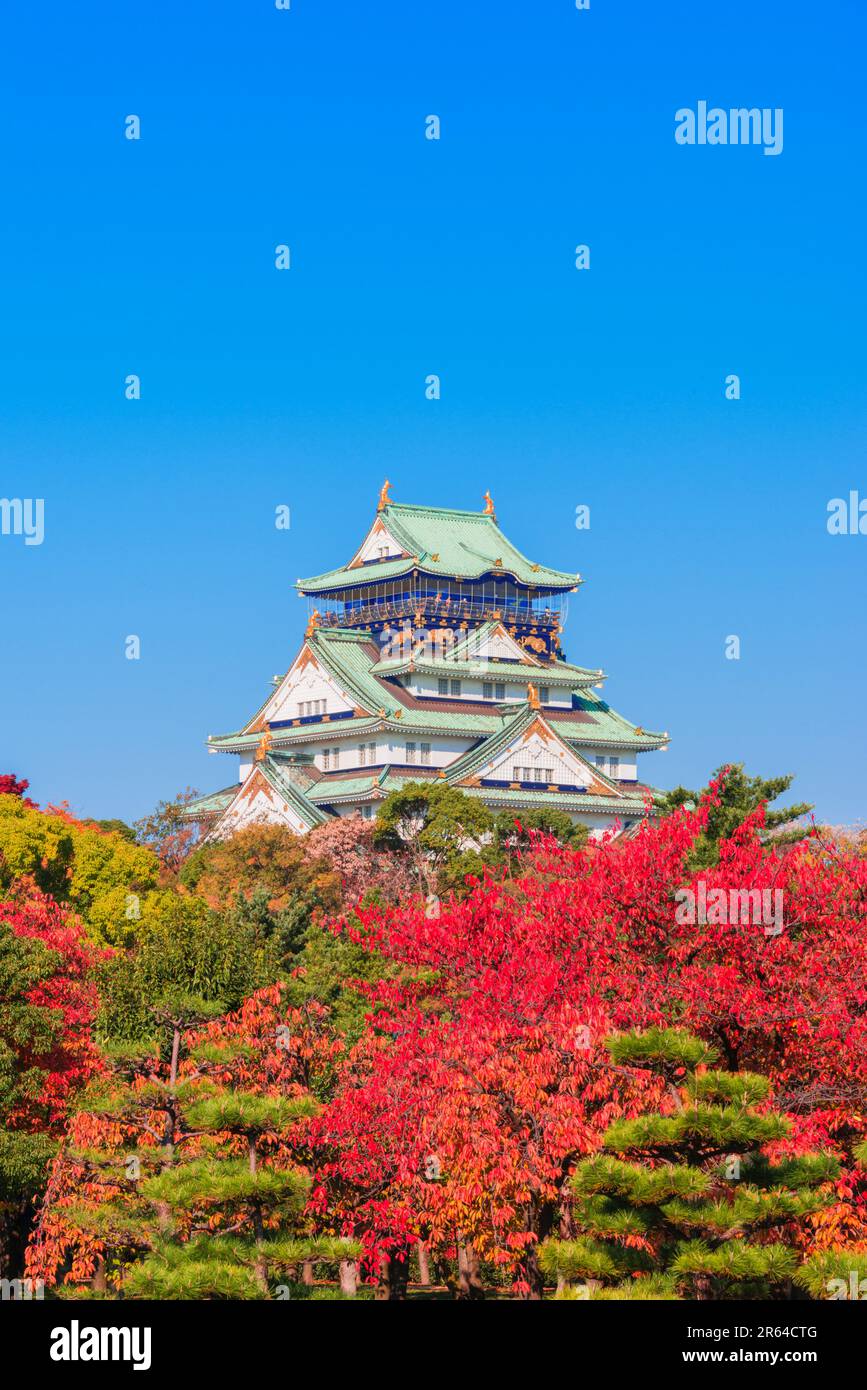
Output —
(454, 612)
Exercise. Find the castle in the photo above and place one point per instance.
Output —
(433, 653)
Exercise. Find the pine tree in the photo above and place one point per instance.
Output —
(737, 797)
(185, 1178)
(685, 1204)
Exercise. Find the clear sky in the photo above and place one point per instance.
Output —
(411, 256)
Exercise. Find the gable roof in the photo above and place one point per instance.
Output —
(468, 767)
(444, 542)
(275, 776)
(350, 657)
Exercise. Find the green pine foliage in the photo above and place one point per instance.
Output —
(685, 1204)
(740, 797)
(215, 1209)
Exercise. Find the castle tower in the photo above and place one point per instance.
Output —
(433, 653)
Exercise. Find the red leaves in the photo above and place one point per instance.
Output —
(69, 991)
(486, 1054)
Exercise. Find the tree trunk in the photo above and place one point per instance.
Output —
(393, 1276)
(348, 1278)
(423, 1264)
(469, 1279)
(534, 1277)
(307, 1273)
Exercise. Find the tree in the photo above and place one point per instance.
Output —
(184, 1177)
(261, 858)
(473, 1058)
(167, 833)
(10, 785)
(739, 796)
(183, 949)
(515, 831)
(99, 874)
(684, 1201)
(438, 830)
(347, 845)
(47, 1003)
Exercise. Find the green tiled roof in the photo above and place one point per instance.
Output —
(465, 544)
(213, 802)
(292, 793)
(271, 769)
(349, 657)
(564, 801)
(558, 673)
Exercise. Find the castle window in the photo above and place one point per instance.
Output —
(533, 774)
(500, 691)
(544, 694)
(487, 690)
(442, 687)
(307, 708)
(613, 767)
(425, 753)
(454, 687)
(362, 754)
(367, 812)
(410, 752)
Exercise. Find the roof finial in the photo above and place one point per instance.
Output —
(489, 504)
(533, 696)
(263, 747)
(384, 498)
(312, 624)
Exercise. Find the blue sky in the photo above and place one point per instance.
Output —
(409, 256)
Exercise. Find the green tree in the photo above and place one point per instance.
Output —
(739, 797)
(685, 1204)
(183, 950)
(99, 874)
(443, 833)
(513, 830)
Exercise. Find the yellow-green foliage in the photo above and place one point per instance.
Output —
(102, 876)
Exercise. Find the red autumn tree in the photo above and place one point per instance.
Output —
(47, 1003)
(101, 1224)
(61, 987)
(483, 1080)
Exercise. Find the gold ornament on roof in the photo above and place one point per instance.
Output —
(489, 504)
(263, 747)
(384, 498)
(533, 696)
(312, 624)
